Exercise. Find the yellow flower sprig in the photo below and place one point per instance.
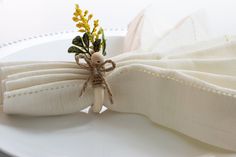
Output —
(93, 39)
(82, 20)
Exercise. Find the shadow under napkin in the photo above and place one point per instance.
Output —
(45, 124)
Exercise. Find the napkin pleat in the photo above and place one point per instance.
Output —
(56, 98)
(41, 79)
(48, 71)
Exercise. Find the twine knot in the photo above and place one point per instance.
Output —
(96, 65)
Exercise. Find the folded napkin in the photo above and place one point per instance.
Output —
(51, 84)
(150, 32)
(190, 88)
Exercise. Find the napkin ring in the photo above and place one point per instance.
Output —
(97, 67)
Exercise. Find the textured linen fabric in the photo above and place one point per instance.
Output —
(149, 32)
(188, 86)
(196, 97)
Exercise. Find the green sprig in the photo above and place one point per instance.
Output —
(90, 41)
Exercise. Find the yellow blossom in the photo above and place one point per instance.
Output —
(89, 27)
(82, 19)
(95, 23)
(79, 11)
(76, 6)
(82, 30)
(79, 25)
(90, 17)
(75, 19)
(85, 12)
(76, 14)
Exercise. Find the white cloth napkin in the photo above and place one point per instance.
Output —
(188, 86)
(149, 32)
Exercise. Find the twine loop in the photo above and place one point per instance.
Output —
(97, 73)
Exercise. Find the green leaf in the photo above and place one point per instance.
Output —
(78, 41)
(86, 39)
(97, 45)
(104, 48)
(74, 49)
(103, 43)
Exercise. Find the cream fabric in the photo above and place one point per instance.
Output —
(195, 96)
(150, 32)
(40, 78)
(188, 86)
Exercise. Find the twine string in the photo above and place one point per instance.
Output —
(97, 73)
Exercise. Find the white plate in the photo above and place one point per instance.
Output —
(87, 135)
